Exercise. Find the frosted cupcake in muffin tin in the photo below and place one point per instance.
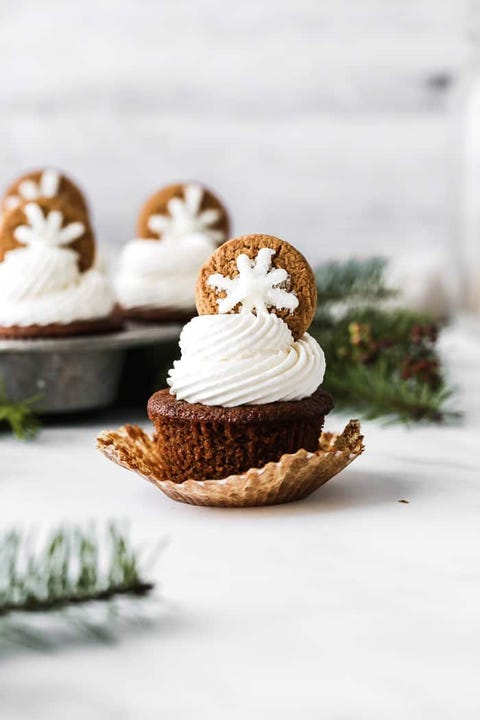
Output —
(178, 228)
(49, 282)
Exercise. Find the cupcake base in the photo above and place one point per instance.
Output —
(293, 477)
(213, 442)
(80, 327)
(156, 315)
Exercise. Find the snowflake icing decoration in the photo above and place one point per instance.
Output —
(185, 217)
(47, 230)
(255, 288)
(46, 187)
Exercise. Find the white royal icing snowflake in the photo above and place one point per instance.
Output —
(255, 288)
(185, 217)
(47, 230)
(46, 187)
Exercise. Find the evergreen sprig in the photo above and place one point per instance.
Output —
(75, 570)
(381, 361)
(375, 392)
(19, 416)
(359, 281)
(66, 571)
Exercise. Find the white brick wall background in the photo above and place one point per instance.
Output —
(322, 121)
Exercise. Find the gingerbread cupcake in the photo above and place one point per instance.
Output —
(246, 389)
(49, 285)
(178, 228)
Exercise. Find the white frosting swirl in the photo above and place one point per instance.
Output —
(244, 359)
(162, 273)
(40, 285)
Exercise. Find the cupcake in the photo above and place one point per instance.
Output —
(49, 283)
(246, 390)
(178, 228)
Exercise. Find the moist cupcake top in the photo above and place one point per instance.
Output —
(164, 404)
(256, 298)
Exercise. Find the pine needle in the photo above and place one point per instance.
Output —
(66, 571)
(381, 362)
(76, 575)
(359, 281)
(19, 416)
(374, 393)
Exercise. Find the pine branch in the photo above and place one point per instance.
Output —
(381, 362)
(373, 392)
(19, 416)
(353, 281)
(68, 571)
(138, 590)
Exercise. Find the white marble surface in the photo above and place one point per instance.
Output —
(346, 605)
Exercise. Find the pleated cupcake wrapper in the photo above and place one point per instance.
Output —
(293, 477)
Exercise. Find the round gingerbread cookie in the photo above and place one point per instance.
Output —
(258, 273)
(45, 184)
(181, 209)
(51, 221)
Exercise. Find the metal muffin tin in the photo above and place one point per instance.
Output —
(73, 374)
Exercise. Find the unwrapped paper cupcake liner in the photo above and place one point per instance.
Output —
(293, 477)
